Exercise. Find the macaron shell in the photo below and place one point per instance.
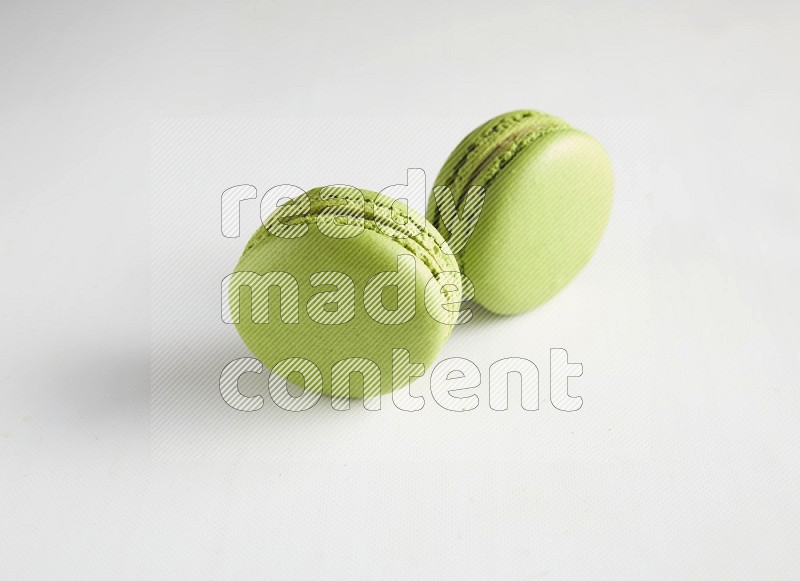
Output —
(360, 257)
(348, 206)
(485, 145)
(543, 218)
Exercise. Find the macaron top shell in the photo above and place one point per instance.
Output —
(360, 257)
(482, 153)
(370, 211)
(549, 190)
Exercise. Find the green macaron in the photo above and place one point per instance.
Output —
(346, 288)
(548, 191)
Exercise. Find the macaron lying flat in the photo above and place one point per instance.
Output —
(361, 282)
(548, 196)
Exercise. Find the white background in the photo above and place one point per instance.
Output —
(683, 461)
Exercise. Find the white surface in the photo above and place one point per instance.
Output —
(683, 461)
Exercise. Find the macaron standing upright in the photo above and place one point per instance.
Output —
(548, 195)
(333, 252)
